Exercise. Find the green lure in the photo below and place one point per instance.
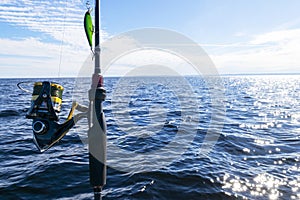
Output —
(88, 27)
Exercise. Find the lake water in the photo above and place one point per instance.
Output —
(255, 155)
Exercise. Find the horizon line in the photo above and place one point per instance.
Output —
(192, 75)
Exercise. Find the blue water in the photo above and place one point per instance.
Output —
(256, 155)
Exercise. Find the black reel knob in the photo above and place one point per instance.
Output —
(39, 127)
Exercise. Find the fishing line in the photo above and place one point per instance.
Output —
(62, 40)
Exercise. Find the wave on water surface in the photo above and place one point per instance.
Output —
(256, 155)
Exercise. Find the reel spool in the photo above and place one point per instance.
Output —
(56, 92)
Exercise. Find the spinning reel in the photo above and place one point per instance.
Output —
(45, 105)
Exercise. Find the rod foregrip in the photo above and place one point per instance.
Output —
(97, 138)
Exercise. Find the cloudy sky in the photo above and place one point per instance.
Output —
(46, 38)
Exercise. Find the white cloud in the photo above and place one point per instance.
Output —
(276, 51)
(33, 58)
(61, 20)
(271, 52)
(148, 57)
(58, 21)
(282, 36)
(46, 17)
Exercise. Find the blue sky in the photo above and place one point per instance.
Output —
(240, 36)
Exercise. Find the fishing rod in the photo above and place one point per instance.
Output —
(46, 104)
(96, 119)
